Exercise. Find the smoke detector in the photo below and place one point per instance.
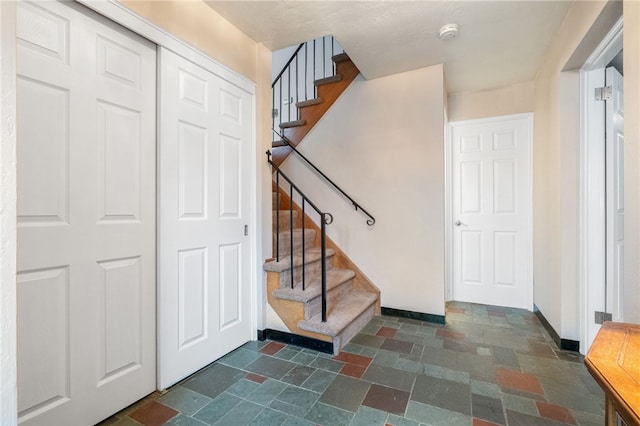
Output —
(448, 32)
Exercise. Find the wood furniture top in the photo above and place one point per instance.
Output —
(614, 362)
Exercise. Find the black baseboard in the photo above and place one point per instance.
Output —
(564, 344)
(295, 339)
(436, 319)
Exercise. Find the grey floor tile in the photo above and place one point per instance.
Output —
(519, 404)
(286, 353)
(242, 388)
(267, 392)
(241, 415)
(327, 415)
(184, 400)
(346, 393)
(394, 420)
(319, 381)
(442, 393)
(214, 380)
(389, 377)
(519, 419)
(295, 421)
(269, 417)
(270, 367)
(486, 408)
(485, 388)
(304, 358)
(430, 415)
(327, 364)
(182, 420)
(217, 408)
(366, 416)
(298, 374)
(295, 401)
(239, 358)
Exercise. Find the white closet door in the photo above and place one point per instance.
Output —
(206, 133)
(86, 215)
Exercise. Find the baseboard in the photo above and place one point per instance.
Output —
(295, 339)
(564, 344)
(401, 313)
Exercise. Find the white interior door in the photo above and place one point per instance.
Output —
(491, 193)
(614, 154)
(206, 133)
(86, 215)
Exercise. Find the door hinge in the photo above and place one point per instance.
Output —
(604, 93)
(601, 317)
(274, 113)
(246, 230)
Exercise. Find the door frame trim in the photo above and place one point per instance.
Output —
(449, 202)
(591, 230)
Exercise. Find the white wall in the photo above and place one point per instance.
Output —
(383, 142)
(8, 381)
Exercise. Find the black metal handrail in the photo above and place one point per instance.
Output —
(325, 219)
(310, 61)
(371, 221)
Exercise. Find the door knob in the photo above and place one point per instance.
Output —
(459, 223)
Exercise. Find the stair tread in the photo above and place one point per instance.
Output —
(278, 143)
(309, 102)
(327, 80)
(311, 255)
(340, 57)
(313, 287)
(295, 123)
(350, 306)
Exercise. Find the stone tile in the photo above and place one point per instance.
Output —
(385, 358)
(386, 332)
(519, 404)
(269, 417)
(506, 357)
(255, 378)
(242, 414)
(386, 399)
(441, 357)
(239, 358)
(366, 416)
(442, 393)
(368, 340)
(217, 408)
(362, 361)
(182, 420)
(480, 422)
(408, 365)
(389, 377)
(327, 364)
(243, 388)
(296, 421)
(449, 334)
(346, 393)
(520, 419)
(286, 353)
(327, 415)
(555, 412)
(353, 370)
(431, 415)
(304, 358)
(394, 420)
(266, 392)
(153, 413)
(399, 346)
(519, 381)
(479, 387)
(486, 408)
(298, 374)
(184, 400)
(319, 381)
(270, 367)
(214, 380)
(255, 345)
(295, 401)
(271, 348)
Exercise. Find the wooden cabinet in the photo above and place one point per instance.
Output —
(614, 362)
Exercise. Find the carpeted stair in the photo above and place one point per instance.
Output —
(349, 308)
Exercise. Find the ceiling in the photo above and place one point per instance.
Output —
(499, 43)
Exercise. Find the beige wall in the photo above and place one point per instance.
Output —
(514, 99)
(383, 142)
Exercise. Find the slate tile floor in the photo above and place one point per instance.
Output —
(487, 366)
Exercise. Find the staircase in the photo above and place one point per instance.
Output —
(351, 300)
(311, 284)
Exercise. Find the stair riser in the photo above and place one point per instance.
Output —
(285, 242)
(310, 268)
(314, 306)
(352, 329)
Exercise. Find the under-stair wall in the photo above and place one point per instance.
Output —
(383, 139)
